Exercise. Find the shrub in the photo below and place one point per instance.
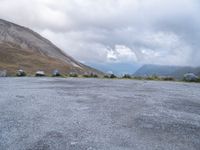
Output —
(168, 78)
(74, 75)
(113, 76)
(126, 76)
(138, 78)
(106, 76)
(91, 75)
(86, 76)
(154, 77)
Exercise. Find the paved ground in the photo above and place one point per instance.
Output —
(93, 114)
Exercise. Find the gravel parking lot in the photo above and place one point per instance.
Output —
(98, 114)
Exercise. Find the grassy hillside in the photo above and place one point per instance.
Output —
(23, 48)
(13, 58)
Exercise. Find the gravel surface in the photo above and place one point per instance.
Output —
(95, 114)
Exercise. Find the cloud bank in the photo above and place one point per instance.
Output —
(115, 31)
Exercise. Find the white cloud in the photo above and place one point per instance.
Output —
(134, 31)
(121, 53)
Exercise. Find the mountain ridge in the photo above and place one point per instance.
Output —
(19, 39)
(166, 70)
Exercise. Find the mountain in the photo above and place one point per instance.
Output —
(116, 68)
(22, 48)
(160, 70)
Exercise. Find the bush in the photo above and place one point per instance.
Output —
(154, 77)
(86, 76)
(168, 78)
(106, 76)
(138, 78)
(113, 76)
(92, 75)
(95, 76)
(74, 75)
(126, 76)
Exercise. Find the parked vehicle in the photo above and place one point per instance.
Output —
(40, 74)
(21, 73)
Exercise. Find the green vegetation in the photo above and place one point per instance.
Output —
(106, 76)
(126, 76)
(28, 60)
(154, 77)
(91, 75)
(112, 76)
(74, 75)
(22, 73)
(168, 79)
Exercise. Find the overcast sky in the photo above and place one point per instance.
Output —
(115, 31)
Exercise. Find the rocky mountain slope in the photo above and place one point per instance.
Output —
(22, 48)
(160, 70)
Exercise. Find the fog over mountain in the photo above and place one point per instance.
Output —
(107, 32)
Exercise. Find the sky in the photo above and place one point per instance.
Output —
(115, 35)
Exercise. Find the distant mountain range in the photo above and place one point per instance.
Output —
(160, 70)
(22, 48)
(116, 68)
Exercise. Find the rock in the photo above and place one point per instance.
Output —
(3, 73)
(21, 73)
(190, 77)
(39, 74)
(56, 73)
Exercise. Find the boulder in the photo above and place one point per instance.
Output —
(190, 77)
(40, 74)
(3, 73)
(21, 73)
